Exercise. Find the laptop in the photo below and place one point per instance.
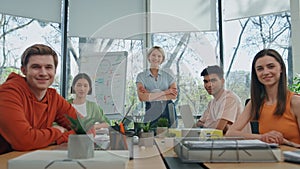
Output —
(187, 116)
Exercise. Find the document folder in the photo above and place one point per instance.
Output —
(195, 150)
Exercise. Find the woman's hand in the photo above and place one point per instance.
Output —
(290, 143)
(142, 89)
(272, 137)
(172, 91)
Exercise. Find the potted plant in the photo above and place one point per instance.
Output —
(81, 144)
(162, 127)
(146, 135)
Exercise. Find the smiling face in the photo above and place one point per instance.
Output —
(155, 58)
(81, 88)
(39, 72)
(268, 70)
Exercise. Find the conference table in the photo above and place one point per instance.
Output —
(161, 156)
(144, 157)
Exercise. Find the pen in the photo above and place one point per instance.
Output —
(122, 130)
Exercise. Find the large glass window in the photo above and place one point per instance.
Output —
(187, 55)
(187, 51)
(18, 33)
(243, 38)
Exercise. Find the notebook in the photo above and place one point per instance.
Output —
(187, 116)
(292, 156)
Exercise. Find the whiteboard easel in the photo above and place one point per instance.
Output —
(108, 74)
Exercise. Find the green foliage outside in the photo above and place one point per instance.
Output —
(239, 83)
(6, 72)
(191, 91)
(295, 86)
(132, 97)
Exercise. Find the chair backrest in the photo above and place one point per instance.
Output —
(172, 115)
(254, 124)
(254, 127)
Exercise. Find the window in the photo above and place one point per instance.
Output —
(18, 33)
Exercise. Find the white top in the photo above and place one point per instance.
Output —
(81, 108)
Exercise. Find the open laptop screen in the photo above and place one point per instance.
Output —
(187, 116)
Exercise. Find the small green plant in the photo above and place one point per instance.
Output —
(81, 125)
(162, 122)
(145, 127)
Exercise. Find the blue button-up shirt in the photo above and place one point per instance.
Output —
(164, 80)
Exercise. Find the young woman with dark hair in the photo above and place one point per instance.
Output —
(276, 109)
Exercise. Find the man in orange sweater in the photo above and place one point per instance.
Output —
(28, 107)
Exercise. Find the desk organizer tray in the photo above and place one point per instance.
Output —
(195, 150)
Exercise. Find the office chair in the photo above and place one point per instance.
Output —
(254, 124)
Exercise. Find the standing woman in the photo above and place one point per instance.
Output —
(156, 87)
(276, 109)
(81, 87)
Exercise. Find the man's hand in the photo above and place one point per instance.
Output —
(200, 123)
(60, 128)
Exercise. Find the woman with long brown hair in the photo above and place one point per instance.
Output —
(272, 104)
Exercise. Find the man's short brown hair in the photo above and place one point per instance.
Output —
(38, 49)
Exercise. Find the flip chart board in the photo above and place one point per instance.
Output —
(108, 73)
